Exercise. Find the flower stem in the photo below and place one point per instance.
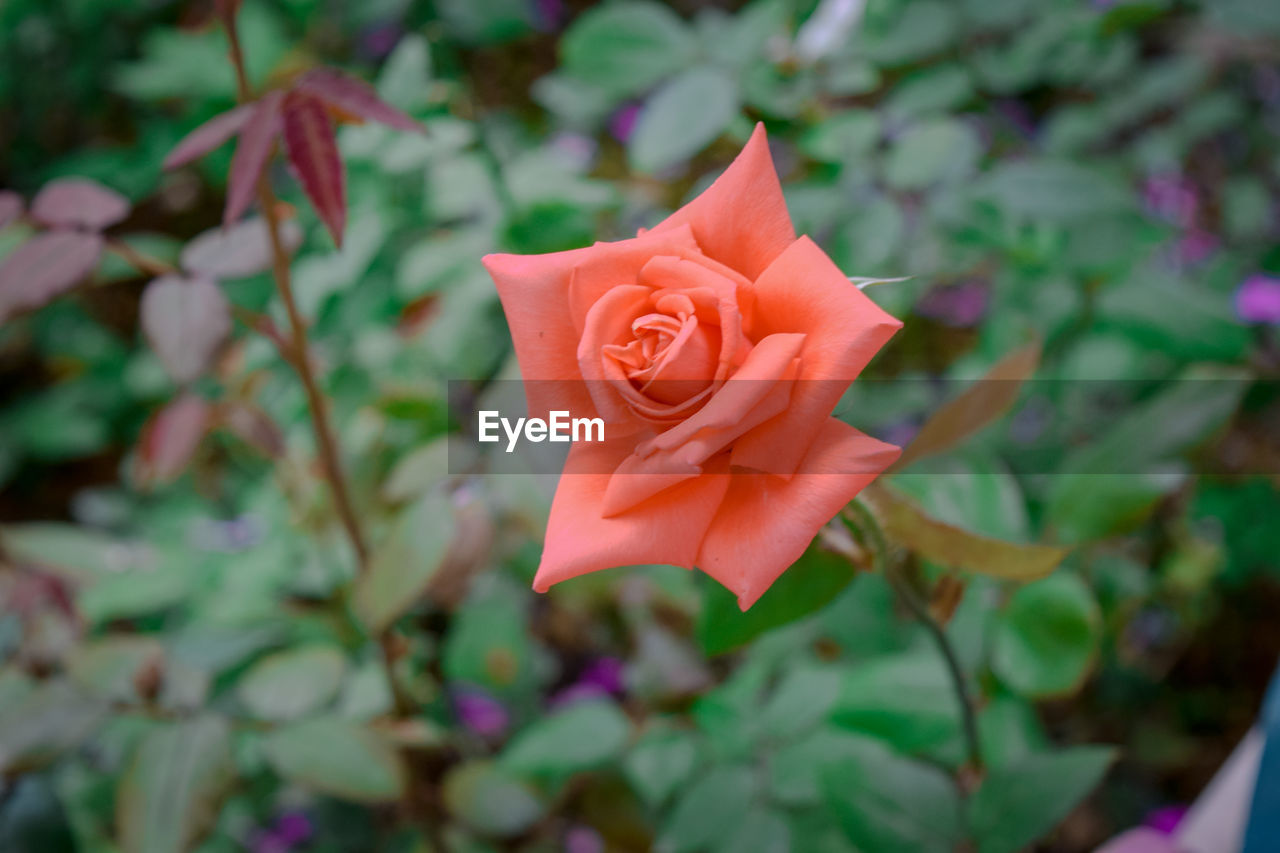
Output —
(865, 521)
(418, 798)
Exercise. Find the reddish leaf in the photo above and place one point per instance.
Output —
(171, 438)
(78, 203)
(313, 154)
(208, 136)
(252, 152)
(355, 97)
(985, 402)
(10, 207)
(186, 320)
(44, 267)
(254, 427)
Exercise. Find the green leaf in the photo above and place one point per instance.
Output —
(403, 565)
(811, 583)
(931, 152)
(682, 118)
(584, 735)
(338, 757)
(1047, 637)
(626, 47)
(171, 794)
(802, 698)
(890, 804)
(106, 667)
(846, 137)
(906, 700)
(719, 800)
(292, 683)
(1053, 190)
(483, 796)
(45, 722)
(1021, 802)
(660, 762)
(763, 830)
(795, 772)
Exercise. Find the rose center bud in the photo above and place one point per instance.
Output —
(672, 356)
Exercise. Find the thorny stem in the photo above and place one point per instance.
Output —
(867, 524)
(328, 447)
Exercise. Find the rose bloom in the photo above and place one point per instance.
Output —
(714, 347)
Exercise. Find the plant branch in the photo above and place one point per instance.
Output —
(865, 522)
(418, 796)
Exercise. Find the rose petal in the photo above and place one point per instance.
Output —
(741, 220)
(765, 522)
(535, 294)
(665, 529)
(758, 392)
(803, 291)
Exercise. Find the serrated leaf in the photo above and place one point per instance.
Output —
(208, 136)
(948, 545)
(1021, 802)
(586, 734)
(292, 683)
(242, 250)
(403, 565)
(355, 97)
(171, 793)
(906, 700)
(341, 758)
(682, 118)
(253, 150)
(312, 150)
(78, 203)
(44, 267)
(186, 321)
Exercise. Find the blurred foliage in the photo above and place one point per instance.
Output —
(180, 669)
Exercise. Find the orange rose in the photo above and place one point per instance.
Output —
(714, 347)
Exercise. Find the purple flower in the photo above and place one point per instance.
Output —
(1258, 300)
(291, 829)
(1172, 198)
(623, 122)
(479, 712)
(957, 305)
(548, 15)
(1196, 245)
(583, 839)
(605, 673)
(600, 678)
(380, 39)
(1165, 820)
